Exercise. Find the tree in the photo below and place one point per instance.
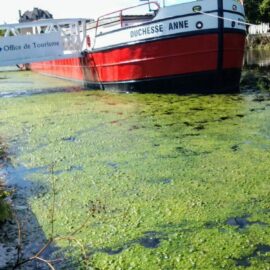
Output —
(257, 11)
(252, 10)
(265, 11)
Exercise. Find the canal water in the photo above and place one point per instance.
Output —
(140, 181)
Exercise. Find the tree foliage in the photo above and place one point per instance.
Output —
(257, 10)
(265, 10)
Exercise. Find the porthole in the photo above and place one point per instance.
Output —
(199, 25)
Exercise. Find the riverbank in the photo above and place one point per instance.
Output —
(258, 41)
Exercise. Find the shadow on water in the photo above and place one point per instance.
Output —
(153, 239)
(260, 252)
(33, 238)
(149, 240)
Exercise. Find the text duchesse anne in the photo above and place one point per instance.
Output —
(158, 28)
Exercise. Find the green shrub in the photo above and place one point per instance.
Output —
(4, 207)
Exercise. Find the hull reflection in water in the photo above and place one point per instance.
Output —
(259, 58)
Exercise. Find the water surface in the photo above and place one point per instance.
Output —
(257, 58)
(169, 182)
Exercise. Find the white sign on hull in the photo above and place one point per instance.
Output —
(23, 49)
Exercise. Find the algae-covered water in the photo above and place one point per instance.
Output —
(165, 181)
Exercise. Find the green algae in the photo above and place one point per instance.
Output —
(169, 176)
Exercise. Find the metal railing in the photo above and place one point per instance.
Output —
(118, 15)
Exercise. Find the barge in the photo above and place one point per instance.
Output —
(183, 48)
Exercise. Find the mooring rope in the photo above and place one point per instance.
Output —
(225, 19)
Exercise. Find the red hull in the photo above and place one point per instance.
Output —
(158, 59)
(234, 45)
(152, 60)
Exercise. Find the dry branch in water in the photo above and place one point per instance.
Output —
(94, 208)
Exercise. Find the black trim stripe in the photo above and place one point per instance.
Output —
(200, 82)
(233, 12)
(148, 40)
(233, 30)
